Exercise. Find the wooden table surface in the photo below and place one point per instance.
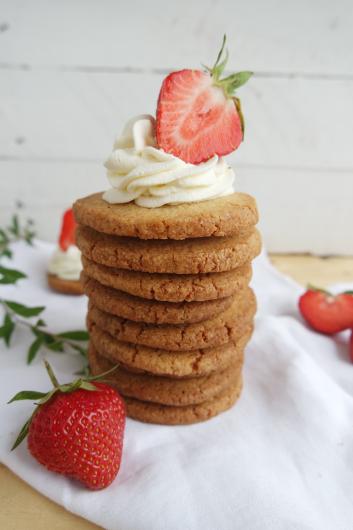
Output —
(21, 507)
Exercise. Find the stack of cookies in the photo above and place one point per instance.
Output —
(169, 301)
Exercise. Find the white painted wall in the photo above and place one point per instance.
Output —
(73, 71)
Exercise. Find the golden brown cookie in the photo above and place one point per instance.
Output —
(64, 286)
(194, 363)
(220, 217)
(165, 390)
(192, 256)
(171, 287)
(227, 326)
(151, 311)
(166, 415)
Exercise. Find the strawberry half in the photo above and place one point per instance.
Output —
(325, 312)
(198, 115)
(76, 429)
(68, 229)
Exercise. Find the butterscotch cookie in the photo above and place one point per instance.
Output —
(227, 326)
(192, 256)
(64, 286)
(194, 363)
(220, 217)
(171, 287)
(165, 390)
(166, 415)
(151, 311)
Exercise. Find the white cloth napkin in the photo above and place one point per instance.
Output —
(281, 459)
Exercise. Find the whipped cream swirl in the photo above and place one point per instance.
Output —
(66, 264)
(139, 171)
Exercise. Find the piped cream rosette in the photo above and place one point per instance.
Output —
(139, 171)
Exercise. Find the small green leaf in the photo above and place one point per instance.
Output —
(7, 329)
(14, 226)
(347, 292)
(22, 434)
(80, 335)
(22, 310)
(220, 53)
(10, 275)
(33, 349)
(47, 396)
(27, 394)
(40, 323)
(55, 346)
(6, 252)
(234, 81)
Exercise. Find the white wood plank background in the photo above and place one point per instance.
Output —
(72, 72)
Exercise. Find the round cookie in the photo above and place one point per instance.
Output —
(64, 286)
(227, 326)
(171, 287)
(193, 363)
(192, 256)
(220, 217)
(138, 309)
(166, 415)
(164, 390)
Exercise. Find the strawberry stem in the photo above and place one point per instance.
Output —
(51, 374)
(232, 82)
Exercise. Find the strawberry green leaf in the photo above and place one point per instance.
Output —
(8, 276)
(80, 335)
(22, 435)
(234, 81)
(22, 310)
(27, 394)
(47, 396)
(33, 349)
(88, 386)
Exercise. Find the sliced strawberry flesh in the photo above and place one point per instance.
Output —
(195, 119)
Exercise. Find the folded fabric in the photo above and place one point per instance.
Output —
(281, 459)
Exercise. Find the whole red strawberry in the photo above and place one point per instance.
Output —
(326, 312)
(77, 430)
(198, 115)
(68, 229)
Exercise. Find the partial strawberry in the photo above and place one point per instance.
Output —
(351, 346)
(198, 115)
(325, 312)
(76, 429)
(68, 229)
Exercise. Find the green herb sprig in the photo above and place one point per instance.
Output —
(19, 315)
